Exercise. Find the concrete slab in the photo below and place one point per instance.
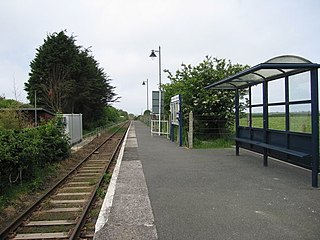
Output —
(124, 231)
(132, 180)
(132, 133)
(130, 216)
(131, 154)
(132, 143)
(131, 209)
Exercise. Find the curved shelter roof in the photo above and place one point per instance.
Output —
(272, 69)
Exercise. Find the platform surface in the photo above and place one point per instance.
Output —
(167, 192)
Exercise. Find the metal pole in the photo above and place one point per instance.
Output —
(159, 91)
(315, 126)
(180, 121)
(190, 129)
(152, 55)
(250, 109)
(265, 121)
(236, 95)
(147, 94)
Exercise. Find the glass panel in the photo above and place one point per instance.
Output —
(276, 91)
(256, 94)
(238, 83)
(244, 118)
(268, 72)
(224, 86)
(244, 111)
(288, 59)
(277, 117)
(288, 70)
(257, 117)
(300, 118)
(251, 77)
(299, 87)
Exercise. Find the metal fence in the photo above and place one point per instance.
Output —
(200, 128)
(206, 127)
(155, 127)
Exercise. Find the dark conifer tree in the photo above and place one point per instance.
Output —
(67, 79)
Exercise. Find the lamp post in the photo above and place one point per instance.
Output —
(153, 55)
(147, 83)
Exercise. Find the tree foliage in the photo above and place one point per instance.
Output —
(123, 114)
(52, 70)
(10, 116)
(112, 114)
(190, 82)
(67, 79)
(8, 103)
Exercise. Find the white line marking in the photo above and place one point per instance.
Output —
(107, 202)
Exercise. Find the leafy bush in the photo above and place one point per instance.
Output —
(190, 81)
(22, 152)
(111, 114)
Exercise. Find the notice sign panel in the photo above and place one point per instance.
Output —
(175, 109)
(155, 102)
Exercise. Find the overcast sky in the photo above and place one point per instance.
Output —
(123, 32)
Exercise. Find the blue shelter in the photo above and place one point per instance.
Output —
(287, 144)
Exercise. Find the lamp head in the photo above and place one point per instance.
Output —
(153, 55)
(143, 83)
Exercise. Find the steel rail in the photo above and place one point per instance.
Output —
(17, 221)
(77, 230)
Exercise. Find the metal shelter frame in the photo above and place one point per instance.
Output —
(295, 147)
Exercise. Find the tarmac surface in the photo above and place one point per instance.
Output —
(164, 191)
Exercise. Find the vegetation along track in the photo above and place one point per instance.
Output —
(61, 213)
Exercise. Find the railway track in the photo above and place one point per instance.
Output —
(62, 212)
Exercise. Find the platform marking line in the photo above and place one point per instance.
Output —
(107, 202)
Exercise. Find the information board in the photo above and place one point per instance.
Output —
(176, 117)
(175, 109)
(155, 102)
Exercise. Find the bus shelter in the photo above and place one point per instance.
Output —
(296, 145)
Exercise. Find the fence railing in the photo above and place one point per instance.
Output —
(195, 128)
(155, 127)
(205, 128)
(97, 132)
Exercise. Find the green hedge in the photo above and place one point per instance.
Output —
(24, 151)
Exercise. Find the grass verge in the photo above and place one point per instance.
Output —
(38, 182)
(213, 143)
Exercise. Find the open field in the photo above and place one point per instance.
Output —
(298, 122)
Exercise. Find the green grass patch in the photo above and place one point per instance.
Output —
(214, 143)
(11, 194)
(101, 193)
(107, 177)
(298, 122)
(18, 189)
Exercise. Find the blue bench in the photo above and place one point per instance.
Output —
(273, 147)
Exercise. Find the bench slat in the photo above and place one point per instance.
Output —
(247, 141)
(273, 147)
(285, 150)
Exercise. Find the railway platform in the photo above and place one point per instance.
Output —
(162, 191)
